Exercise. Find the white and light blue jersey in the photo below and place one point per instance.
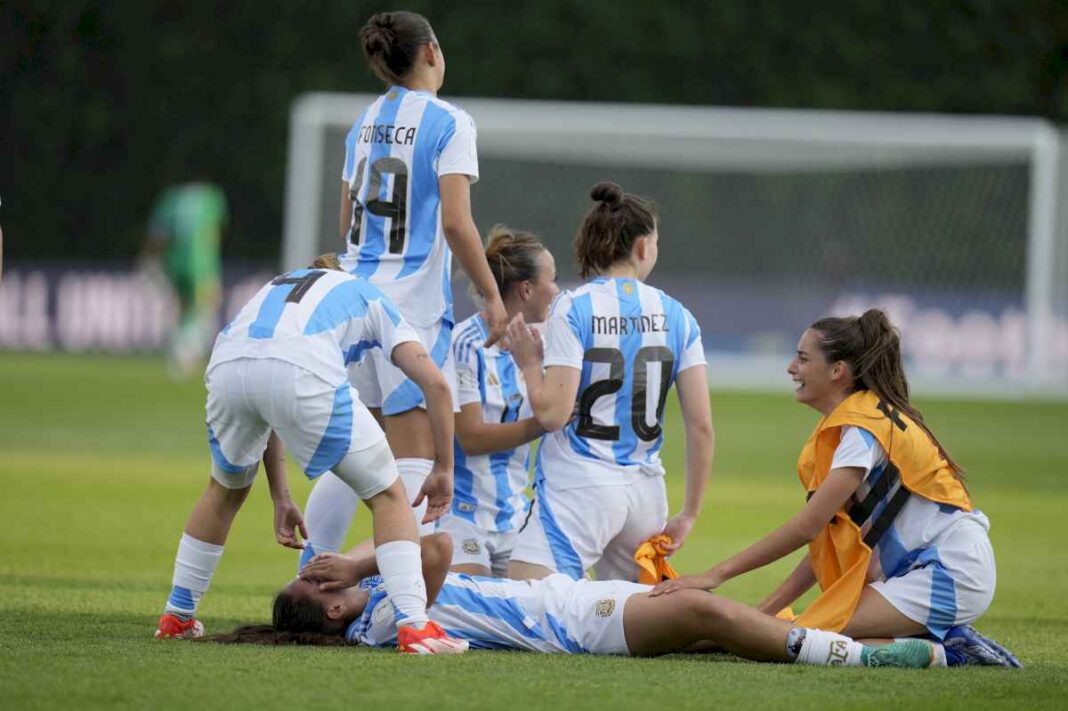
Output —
(490, 613)
(394, 155)
(320, 320)
(912, 539)
(630, 341)
(489, 489)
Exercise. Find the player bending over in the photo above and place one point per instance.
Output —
(277, 374)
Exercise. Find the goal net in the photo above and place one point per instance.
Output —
(771, 219)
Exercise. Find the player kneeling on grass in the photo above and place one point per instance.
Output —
(339, 598)
(894, 541)
(278, 374)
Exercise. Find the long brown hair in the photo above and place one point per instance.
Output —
(295, 619)
(391, 42)
(611, 226)
(871, 346)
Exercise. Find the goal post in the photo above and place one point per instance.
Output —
(773, 218)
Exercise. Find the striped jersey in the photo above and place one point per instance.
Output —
(490, 613)
(394, 155)
(320, 320)
(913, 537)
(489, 489)
(630, 341)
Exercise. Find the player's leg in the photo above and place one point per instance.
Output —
(657, 625)
(328, 513)
(237, 438)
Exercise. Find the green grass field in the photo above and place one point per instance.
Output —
(102, 458)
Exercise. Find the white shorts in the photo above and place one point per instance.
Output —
(949, 584)
(473, 546)
(319, 423)
(573, 530)
(591, 611)
(383, 385)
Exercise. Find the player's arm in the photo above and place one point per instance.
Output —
(346, 210)
(480, 437)
(796, 584)
(692, 387)
(335, 571)
(552, 394)
(288, 520)
(800, 530)
(465, 242)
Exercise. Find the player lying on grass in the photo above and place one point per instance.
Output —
(894, 541)
(493, 428)
(278, 374)
(340, 598)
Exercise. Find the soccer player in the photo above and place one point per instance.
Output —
(614, 347)
(278, 375)
(493, 427)
(894, 540)
(340, 597)
(184, 234)
(410, 159)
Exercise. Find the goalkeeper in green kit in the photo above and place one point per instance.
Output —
(184, 235)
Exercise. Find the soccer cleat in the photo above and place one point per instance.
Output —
(965, 646)
(170, 627)
(430, 639)
(907, 654)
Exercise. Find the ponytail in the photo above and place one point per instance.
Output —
(871, 345)
(608, 231)
(295, 619)
(512, 256)
(391, 41)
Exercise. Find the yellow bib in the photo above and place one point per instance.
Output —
(840, 555)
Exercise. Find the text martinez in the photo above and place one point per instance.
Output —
(622, 325)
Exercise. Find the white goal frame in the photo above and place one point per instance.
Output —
(660, 136)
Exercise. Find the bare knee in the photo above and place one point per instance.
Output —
(706, 606)
(232, 498)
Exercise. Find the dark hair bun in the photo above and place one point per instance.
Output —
(379, 32)
(607, 192)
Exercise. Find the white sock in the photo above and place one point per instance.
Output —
(194, 566)
(401, 567)
(829, 649)
(328, 513)
(413, 472)
(938, 655)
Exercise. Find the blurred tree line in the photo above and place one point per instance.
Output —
(104, 103)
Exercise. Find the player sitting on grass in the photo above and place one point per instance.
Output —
(894, 541)
(339, 598)
(279, 368)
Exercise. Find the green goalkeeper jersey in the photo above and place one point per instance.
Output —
(190, 219)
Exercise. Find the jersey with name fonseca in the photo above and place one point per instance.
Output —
(630, 341)
(319, 320)
(394, 155)
(489, 489)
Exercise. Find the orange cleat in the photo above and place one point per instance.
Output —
(430, 639)
(170, 627)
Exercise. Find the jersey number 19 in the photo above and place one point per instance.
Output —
(396, 208)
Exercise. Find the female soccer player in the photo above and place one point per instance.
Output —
(493, 427)
(410, 160)
(338, 597)
(614, 347)
(279, 369)
(904, 552)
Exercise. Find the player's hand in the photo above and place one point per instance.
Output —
(704, 581)
(678, 528)
(288, 521)
(524, 343)
(496, 318)
(437, 490)
(331, 571)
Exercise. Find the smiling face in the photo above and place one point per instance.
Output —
(820, 384)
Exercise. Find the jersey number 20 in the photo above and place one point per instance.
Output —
(396, 208)
(587, 427)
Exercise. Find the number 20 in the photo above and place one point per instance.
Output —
(395, 208)
(586, 426)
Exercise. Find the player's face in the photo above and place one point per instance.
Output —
(341, 606)
(543, 289)
(647, 257)
(813, 375)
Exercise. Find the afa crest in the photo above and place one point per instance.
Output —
(605, 607)
(628, 288)
(470, 546)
